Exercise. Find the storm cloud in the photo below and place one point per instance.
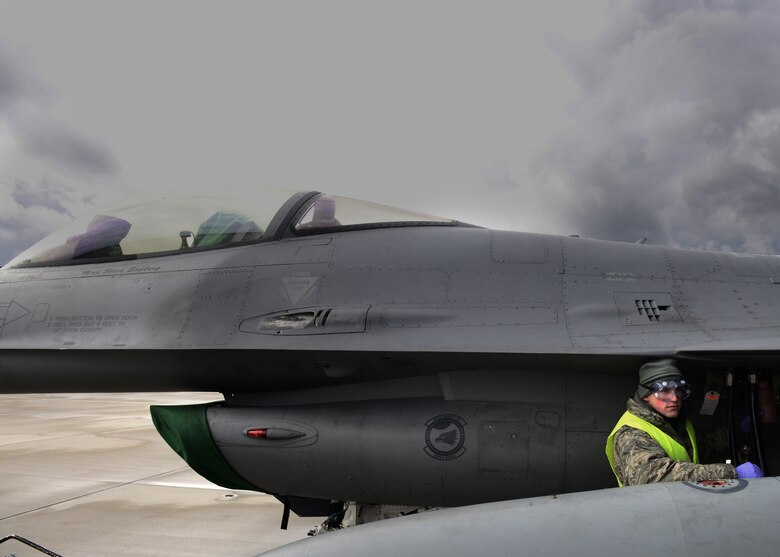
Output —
(47, 195)
(15, 82)
(676, 132)
(30, 211)
(33, 205)
(24, 110)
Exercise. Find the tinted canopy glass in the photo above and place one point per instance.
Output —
(179, 222)
(150, 225)
(327, 212)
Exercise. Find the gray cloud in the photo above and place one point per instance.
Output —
(15, 82)
(30, 211)
(52, 142)
(10, 225)
(23, 107)
(498, 176)
(31, 207)
(676, 132)
(33, 210)
(46, 195)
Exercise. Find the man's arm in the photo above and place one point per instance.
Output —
(640, 460)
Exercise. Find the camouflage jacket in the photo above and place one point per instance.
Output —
(640, 460)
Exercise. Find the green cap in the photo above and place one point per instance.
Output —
(656, 371)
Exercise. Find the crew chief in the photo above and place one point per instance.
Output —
(654, 442)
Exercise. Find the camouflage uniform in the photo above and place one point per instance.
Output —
(640, 460)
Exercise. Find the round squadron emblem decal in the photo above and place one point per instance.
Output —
(444, 437)
(718, 486)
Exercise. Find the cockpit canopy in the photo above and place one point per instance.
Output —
(151, 226)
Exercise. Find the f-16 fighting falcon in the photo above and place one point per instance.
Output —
(384, 357)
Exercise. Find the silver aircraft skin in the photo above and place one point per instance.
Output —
(375, 355)
(688, 519)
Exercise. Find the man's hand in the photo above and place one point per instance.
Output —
(749, 470)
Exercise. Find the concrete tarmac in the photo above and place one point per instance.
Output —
(87, 475)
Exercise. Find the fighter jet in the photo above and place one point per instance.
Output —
(692, 519)
(382, 356)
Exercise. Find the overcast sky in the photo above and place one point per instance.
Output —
(615, 120)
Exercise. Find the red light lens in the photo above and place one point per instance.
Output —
(257, 433)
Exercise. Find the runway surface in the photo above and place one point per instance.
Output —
(87, 475)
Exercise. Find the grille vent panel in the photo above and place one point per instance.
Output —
(652, 311)
(647, 308)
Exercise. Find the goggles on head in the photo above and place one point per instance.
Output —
(664, 390)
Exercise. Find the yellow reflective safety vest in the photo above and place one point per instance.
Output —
(673, 449)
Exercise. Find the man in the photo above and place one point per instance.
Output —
(654, 442)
